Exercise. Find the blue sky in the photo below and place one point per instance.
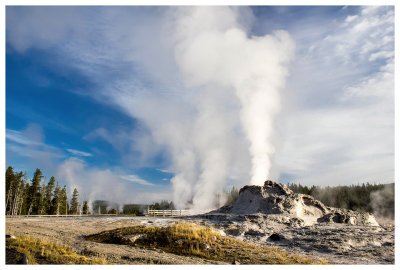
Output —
(101, 98)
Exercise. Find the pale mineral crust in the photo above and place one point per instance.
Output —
(276, 198)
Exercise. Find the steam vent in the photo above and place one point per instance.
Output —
(277, 199)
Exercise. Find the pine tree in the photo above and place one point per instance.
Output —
(85, 208)
(23, 210)
(63, 201)
(47, 196)
(10, 186)
(11, 183)
(75, 202)
(41, 202)
(34, 193)
(56, 201)
(18, 197)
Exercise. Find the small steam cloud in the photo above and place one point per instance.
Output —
(382, 202)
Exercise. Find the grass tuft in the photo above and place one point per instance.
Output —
(43, 251)
(191, 239)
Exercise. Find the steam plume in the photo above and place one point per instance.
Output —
(215, 54)
(204, 91)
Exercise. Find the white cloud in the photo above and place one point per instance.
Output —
(20, 138)
(136, 179)
(337, 127)
(379, 86)
(30, 143)
(79, 153)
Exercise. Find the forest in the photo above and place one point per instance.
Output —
(373, 198)
(37, 196)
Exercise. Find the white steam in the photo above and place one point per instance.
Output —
(215, 54)
(203, 89)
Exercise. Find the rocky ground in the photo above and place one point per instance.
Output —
(270, 215)
(273, 215)
(338, 243)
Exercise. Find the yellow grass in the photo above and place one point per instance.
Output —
(195, 240)
(52, 253)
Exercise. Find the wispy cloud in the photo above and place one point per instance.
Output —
(165, 171)
(79, 153)
(30, 143)
(20, 138)
(135, 179)
(27, 148)
(339, 127)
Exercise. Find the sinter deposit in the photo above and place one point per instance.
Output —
(275, 216)
(277, 199)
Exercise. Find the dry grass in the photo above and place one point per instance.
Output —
(194, 240)
(46, 252)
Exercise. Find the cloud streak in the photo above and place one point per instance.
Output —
(78, 153)
(136, 179)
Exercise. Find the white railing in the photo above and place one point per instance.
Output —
(168, 212)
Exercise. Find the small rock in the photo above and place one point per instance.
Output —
(275, 237)
(253, 232)
(23, 260)
(204, 246)
(236, 262)
(10, 236)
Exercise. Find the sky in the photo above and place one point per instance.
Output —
(138, 104)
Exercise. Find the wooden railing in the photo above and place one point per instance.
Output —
(168, 212)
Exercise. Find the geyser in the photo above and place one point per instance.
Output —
(219, 59)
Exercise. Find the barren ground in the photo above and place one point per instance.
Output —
(337, 243)
(71, 231)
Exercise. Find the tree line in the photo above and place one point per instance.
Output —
(373, 198)
(38, 197)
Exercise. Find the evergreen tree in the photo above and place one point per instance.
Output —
(56, 201)
(85, 208)
(231, 196)
(18, 198)
(41, 200)
(10, 183)
(75, 202)
(47, 196)
(24, 206)
(15, 191)
(63, 201)
(10, 187)
(34, 193)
